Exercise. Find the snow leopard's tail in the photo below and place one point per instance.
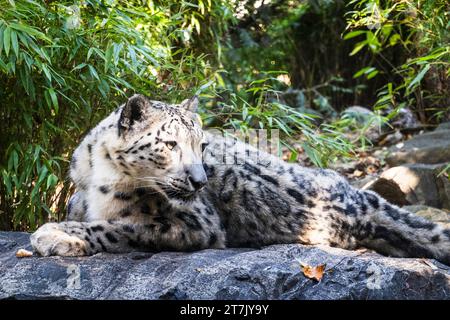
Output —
(393, 231)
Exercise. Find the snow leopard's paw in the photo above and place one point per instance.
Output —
(52, 239)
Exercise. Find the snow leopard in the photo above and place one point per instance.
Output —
(149, 178)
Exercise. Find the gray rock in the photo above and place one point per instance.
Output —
(405, 118)
(430, 148)
(389, 189)
(365, 117)
(270, 273)
(419, 184)
(363, 183)
(439, 216)
(443, 126)
(359, 113)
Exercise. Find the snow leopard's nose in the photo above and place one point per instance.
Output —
(196, 176)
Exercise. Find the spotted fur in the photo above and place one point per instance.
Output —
(145, 183)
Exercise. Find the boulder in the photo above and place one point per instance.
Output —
(388, 189)
(439, 216)
(443, 126)
(365, 117)
(404, 118)
(270, 273)
(414, 184)
(362, 115)
(429, 148)
(363, 182)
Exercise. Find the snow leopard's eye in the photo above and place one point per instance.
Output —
(170, 144)
(204, 145)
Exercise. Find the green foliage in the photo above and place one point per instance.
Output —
(421, 28)
(64, 65)
(256, 105)
(300, 37)
(31, 182)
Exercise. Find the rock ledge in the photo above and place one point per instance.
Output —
(270, 273)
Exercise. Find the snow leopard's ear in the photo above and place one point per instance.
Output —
(133, 111)
(190, 104)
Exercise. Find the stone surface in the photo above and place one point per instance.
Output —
(270, 273)
(429, 148)
(391, 191)
(404, 119)
(363, 182)
(365, 117)
(430, 213)
(443, 126)
(360, 114)
(418, 183)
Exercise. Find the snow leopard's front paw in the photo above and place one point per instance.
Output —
(51, 239)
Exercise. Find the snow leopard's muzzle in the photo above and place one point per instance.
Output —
(186, 188)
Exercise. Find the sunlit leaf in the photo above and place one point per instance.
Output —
(358, 48)
(315, 272)
(354, 34)
(52, 180)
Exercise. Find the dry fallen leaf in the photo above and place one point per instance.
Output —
(357, 173)
(22, 253)
(313, 272)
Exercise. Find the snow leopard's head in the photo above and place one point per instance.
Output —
(161, 146)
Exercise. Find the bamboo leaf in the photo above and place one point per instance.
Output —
(7, 182)
(46, 72)
(29, 30)
(54, 99)
(15, 43)
(354, 34)
(15, 160)
(7, 40)
(93, 72)
(358, 47)
(108, 56)
(52, 180)
(419, 76)
(80, 66)
(372, 74)
(132, 54)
